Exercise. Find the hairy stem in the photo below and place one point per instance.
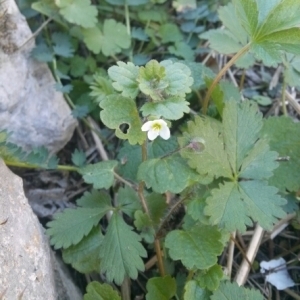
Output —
(221, 73)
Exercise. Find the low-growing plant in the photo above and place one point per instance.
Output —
(216, 172)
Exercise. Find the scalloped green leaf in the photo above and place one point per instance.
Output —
(284, 136)
(128, 201)
(110, 41)
(101, 174)
(94, 198)
(98, 291)
(211, 160)
(69, 227)
(101, 87)
(167, 174)
(125, 78)
(79, 12)
(197, 248)
(162, 288)
(84, 257)
(118, 110)
(194, 291)
(210, 279)
(121, 251)
(236, 205)
(172, 108)
(228, 290)
(143, 223)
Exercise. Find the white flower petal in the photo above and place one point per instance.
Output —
(147, 126)
(152, 134)
(165, 132)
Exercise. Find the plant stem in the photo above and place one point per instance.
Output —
(157, 245)
(221, 73)
(30, 166)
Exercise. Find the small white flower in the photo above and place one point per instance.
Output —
(156, 128)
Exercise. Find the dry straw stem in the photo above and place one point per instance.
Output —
(293, 102)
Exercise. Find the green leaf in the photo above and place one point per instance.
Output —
(144, 224)
(78, 66)
(100, 174)
(182, 49)
(118, 110)
(127, 2)
(162, 288)
(101, 87)
(284, 136)
(131, 156)
(78, 158)
(158, 80)
(210, 278)
(93, 199)
(125, 78)
(233, 205)
(121, 251)
(98, 291)
(228, 290)
(62, 44)
(157, 207)
(84, 257)
(69, 227)
(172, 108)
(166, 174)
(79, 12)
(196, 248)
(42, 53)
(128, 201)
(212, 160)
(193, 291)
(111, 41)
(169, 32)
(48, 8)
(242, 123)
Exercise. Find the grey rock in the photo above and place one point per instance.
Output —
(25, 259)
(30, 107)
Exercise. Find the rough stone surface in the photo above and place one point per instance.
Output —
(30, 107)
(25, 261)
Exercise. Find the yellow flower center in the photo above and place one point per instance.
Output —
(156, 127)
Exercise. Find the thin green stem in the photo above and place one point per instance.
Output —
(221, 73)
(157, 245)
(127, 19)
(31, 166)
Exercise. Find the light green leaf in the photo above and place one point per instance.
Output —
(111, 41)
(69, 227)
(193, 291)
(169, 32)
(210, 278)
(284, 136)
(162, 288)
(84, 257)
(98, 291)
(79, 12)
(233, 205)
(159, 80)
(99, 174)
(144, 224)
(127, 2)
(212, 159)
(228, 290)
(182, 49)
(94, 199)
(78, 158)
(121, 251)
(172, 108)
(166, 174)
(48, 8)
(125, 78)
(128, 201)
(195, 208)
(117, 111)
(101, 87)
(196, 248)
(222, 40)
(242, 123)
